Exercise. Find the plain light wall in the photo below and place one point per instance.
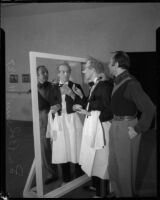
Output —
(95, 31)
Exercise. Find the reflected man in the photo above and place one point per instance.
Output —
(45, 100)
(66, 128)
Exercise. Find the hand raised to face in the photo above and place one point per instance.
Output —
(77, 91)
(67, 91)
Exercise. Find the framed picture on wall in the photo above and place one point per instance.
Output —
(13, 78)
(25, 78)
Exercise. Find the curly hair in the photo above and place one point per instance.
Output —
(96, 64)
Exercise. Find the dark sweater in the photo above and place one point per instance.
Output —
(130, 98)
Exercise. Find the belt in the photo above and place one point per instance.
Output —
(121, 118)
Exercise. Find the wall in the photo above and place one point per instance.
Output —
(94, 31)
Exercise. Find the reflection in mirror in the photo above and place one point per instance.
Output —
(59, 151)
(57, 84)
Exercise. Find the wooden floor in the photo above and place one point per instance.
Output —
(20, 155)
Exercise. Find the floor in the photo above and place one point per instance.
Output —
(20, 155)
(146, 180)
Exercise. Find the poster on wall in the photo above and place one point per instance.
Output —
(25, 78)
(13, 78)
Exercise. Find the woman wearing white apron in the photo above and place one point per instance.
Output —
(94, 147)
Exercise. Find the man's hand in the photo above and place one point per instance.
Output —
(131, 132)
(68, 91)
(55, 108)
(77, 91)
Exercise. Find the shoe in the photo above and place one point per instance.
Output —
(111, 195)
(96, 196)
(89, 188)
(50, 180)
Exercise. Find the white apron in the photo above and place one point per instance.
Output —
(100, 166)
(66, 133)
(93, 153)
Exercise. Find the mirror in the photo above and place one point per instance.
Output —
(54, 188)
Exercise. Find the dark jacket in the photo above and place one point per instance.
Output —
(130, 98)
(100, 100)
(47, 95)
(69, 101)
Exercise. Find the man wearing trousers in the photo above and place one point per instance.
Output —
(45, 100)
(127, 98)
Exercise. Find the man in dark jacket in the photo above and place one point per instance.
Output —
(47, 96)
(68, 140)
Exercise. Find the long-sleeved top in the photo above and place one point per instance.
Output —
(131, 97)
(69, 101)
(100, 100)
(48, 95)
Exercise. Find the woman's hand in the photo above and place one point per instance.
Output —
(76, 107)
(84, 112)
(68, 91)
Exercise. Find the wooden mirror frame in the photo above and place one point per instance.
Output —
(36, 168)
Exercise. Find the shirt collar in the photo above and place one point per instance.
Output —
(121, 76)
(66, 83)
(95, 80)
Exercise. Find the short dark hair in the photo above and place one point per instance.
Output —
(39, 67)
(96, 64)
(122, 58)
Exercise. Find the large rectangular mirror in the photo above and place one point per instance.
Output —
(35, 186)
